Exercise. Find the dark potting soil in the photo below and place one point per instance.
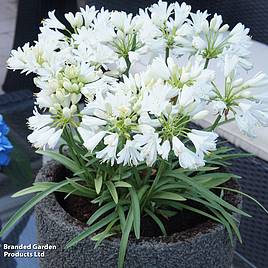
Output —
(81, 209)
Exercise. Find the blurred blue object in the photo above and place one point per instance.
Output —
(5, 145)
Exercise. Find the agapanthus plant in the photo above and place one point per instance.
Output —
(117, 96)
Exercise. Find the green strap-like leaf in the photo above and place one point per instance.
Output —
(30, 204)
(80, 188)
(43, 186)
(168, 196)
(98, 183)
(112, 191)
(101, 211)
(105, 234)
(198, 211)
(135, 204)
(208, 194)
(122, 217)
(214, 179)
(122, 184)
(246, 195)
(67, 162)
(95, 227)
(157, 220)
(124, 239)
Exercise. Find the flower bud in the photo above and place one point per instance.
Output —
(76, 20)
(66, 112)
(75, 98)
(127, 121)
(200, 115)
(73, 109)
(224, 28)
(53, 110)
(245, 94)
(237, 82)
(67, 85)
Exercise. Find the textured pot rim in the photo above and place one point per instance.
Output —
(51, 207)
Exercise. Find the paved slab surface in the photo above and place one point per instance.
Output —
(8, 10)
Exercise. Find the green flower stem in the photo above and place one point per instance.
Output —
(206, 63)
(167, 54)
(155, 182)
(128, 66)
(68, 137)
(216, 123)
(226, 121)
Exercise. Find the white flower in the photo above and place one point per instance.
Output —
(103, 28)
(165, 149)
(119, 103)
(76, 20)
(239, 35)
(218, 106)
(149, 142)
(187, 158)
(199, 21)
(159, 69)
(215, 22)
(230, 63)
(88, 14)
(108, 154)
(251, 115)
(91, 139)
(53, 22)
(259, 80)
(200, 115)
(157, 100)
(93, 121)
(122, 21)
(203, 141)
(145, 119)
(42, 137)
(160, 12)
(199, 43)
(181, 12)
(101, 85)
(38, 120)
(130, 154)
(53, 140)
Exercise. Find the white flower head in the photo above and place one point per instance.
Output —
(46, 136)
(76, 20)
(108, 154)
(53, 22)
(91, 139)
(149, 142)
(187, 158)
(160, 12)
(130, 154)
(88, 14)
(249, 116)
(203, 141)
(218, 106)
(164, 149)
(230, 64)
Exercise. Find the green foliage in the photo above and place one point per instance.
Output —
(123, 195)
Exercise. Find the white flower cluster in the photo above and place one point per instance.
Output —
(117, 80)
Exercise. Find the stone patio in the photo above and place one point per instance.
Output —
(8, 10)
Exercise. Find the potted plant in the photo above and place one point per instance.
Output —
(132, 175)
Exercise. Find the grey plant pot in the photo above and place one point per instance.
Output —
(209, 248)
